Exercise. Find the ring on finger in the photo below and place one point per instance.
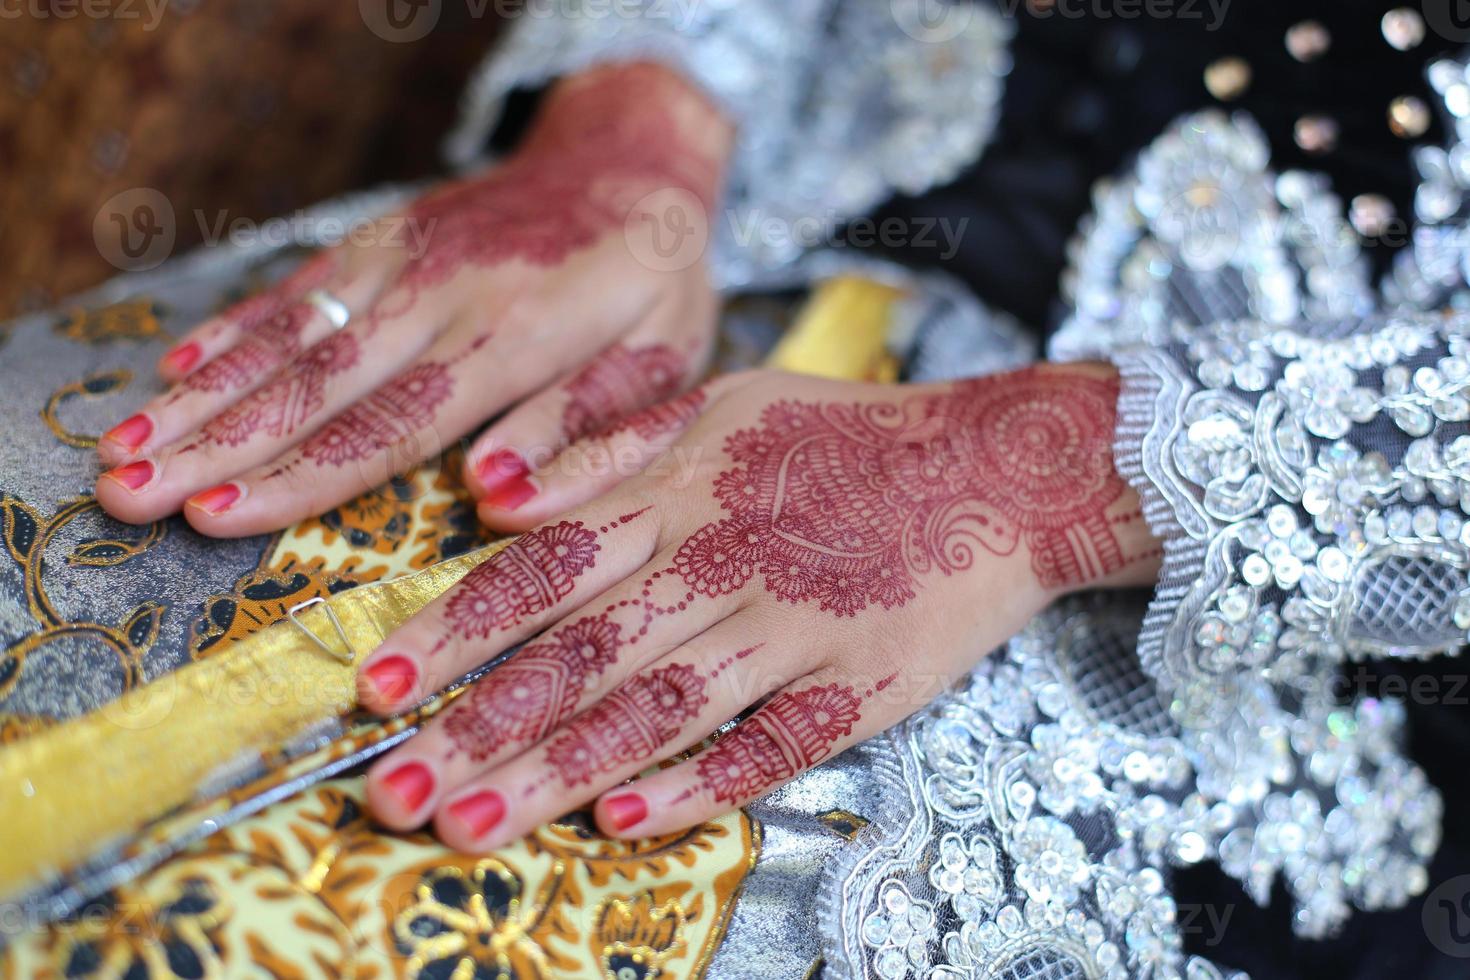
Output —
(330, 307)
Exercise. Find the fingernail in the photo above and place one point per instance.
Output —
(131, 433)
(499, 468)
(479, 812)
(133, 476)
(182, 358)
(512, 495)
(625, 811)
(411, 783)
(392, 678)
(216, 500)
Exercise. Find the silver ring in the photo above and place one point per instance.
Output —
(330, 306)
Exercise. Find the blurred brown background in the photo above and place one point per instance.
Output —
(251, 107)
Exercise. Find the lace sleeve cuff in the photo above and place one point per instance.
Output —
(838, 105)
(1308, 487)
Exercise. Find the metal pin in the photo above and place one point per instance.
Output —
(350, 655)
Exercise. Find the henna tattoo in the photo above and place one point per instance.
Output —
(790, 734)
(532, 574)
(284, 405)
(619, 382)
(525, 699)
(630, 725)
(595, 151)
(389, 415)
(846, 505)
(260, 352)
(665, 418)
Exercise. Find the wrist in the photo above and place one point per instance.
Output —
(633, 97)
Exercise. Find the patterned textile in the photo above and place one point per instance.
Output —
(223, 108)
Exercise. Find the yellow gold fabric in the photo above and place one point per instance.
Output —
(310, 889)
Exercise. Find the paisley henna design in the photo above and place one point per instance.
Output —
(389, 415)
(284, 405)
(629, 725)
(526, 698)
(619, 382)
(532, 574)
(790, 734)
(848, 505)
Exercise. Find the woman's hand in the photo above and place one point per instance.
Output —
(836, 554)
(566, 282)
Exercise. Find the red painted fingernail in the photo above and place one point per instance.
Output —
(625, 811)
(131, 433)
(499, 468)
(392, 678)
(512, 495)
(411, 783)
(216, 500)
(479, 812)
(183, 357)
(133, 476)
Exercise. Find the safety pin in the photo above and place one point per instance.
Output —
(346, 658)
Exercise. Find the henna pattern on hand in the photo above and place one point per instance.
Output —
(393, 413)
(617, 383)
(533, 573)
(259, 353)
(846, 505)
(659, 420)
(527, 697)
(591, 156)
(790, 734)
(284, 405)
(629, 725)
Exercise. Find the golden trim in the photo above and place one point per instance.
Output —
(106, 775)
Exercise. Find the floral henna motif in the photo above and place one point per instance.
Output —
(525, 699)
(846, 505)
(620, 382)
(532, 574)
(790, 734)
(264, 348)
(389, 415)
(283, 406)
(628, 726)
